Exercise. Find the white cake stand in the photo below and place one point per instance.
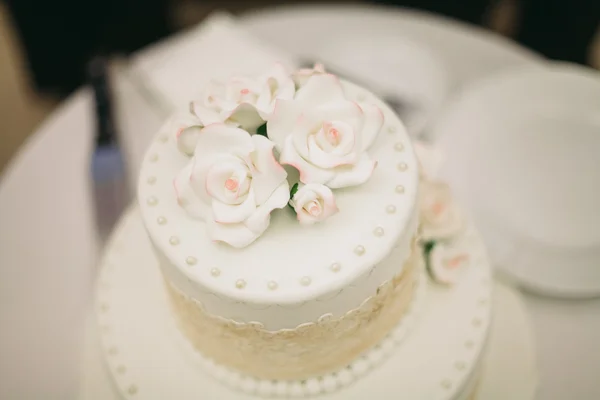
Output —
(145, 358)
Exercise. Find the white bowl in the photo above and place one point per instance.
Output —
(523, 152)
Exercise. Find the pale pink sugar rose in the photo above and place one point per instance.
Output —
(448, 262)
(302, 75)
(185, 127)
(246, 102)
(440, 217)
(313, 203)
(324, 135)
(233, 183)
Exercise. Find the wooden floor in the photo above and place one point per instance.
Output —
(22, 110)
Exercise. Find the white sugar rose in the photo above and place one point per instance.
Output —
(324, 135)
(246, 102)
(313, 203)
(185, 127)
(440, 217)
(448, 262)
(302, 75)
(233, 182)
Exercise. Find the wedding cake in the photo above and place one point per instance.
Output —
(292, 222)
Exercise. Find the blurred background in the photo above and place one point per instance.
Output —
(45, 46)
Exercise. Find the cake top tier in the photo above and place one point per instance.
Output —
(280, 189)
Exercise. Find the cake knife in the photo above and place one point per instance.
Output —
(107, 167)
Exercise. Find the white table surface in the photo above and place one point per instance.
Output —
(48, 245)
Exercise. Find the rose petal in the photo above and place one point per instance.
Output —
(304, 196)
(325, 193)
(344, 111)
(221, 138)
(347, 138)
(200, 168)
(218, 173)
(308, 193)
(233, 213)
(269, 173)
(263, 159)
(312, 120)
(320, 89)
(308, 172)
(187, 198)
(277, 84)
(301, 131)
(353, 175)
(373, 121)
(246, 115)
(277, 71)
(448, 263)
(235, 86)
(265, 103)
(282, 121)
(204, 114)
(305, 218)
(187, 139)
(236, 235)
(259, 221)
(328, 160)
(301, 76)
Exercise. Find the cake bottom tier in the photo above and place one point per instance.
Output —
(311, 349)
(439, 355)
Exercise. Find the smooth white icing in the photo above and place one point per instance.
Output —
(288, 252)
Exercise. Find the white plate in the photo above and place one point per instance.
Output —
(523, 152)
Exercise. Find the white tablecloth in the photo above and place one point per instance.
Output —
(48, 247)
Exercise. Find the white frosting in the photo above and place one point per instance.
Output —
(324, 268)
(324, 135)
(232, 183)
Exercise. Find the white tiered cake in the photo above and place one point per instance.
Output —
(290, 219)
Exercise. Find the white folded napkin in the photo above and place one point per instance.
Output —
(166, 76)
(181, 67)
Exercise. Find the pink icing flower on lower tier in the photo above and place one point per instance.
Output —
(233, 183)
(447, 262)
(244, 101)
(313, 203)
(440, 218)
(324, 135)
